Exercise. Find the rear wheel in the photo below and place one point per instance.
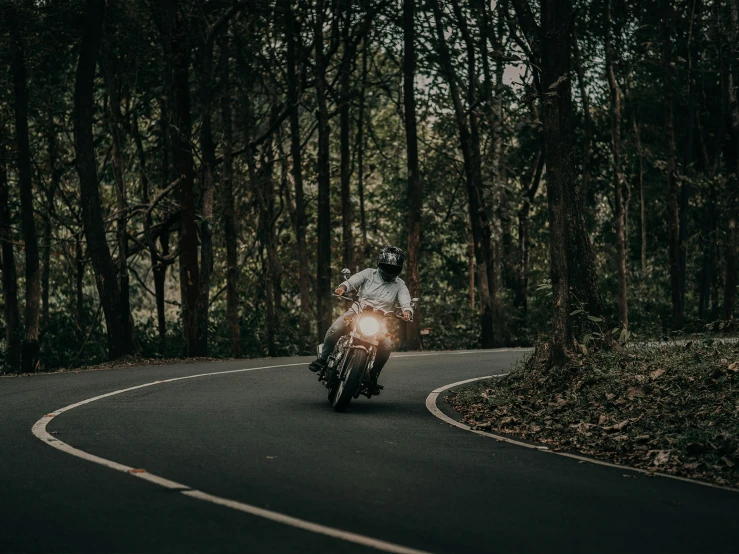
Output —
(356, 363)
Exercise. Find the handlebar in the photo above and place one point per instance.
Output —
(385, 314)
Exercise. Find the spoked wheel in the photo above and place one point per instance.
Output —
(349, 382)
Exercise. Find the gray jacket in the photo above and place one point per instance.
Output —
(375, 292)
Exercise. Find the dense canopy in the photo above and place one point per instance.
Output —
(188, 177)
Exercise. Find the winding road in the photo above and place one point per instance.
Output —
(248, 456)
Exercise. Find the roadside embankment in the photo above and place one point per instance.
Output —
(672, 409)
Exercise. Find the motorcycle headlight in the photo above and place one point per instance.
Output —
(369, 326)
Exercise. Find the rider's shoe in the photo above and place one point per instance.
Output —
(374, 388)
(317, 365)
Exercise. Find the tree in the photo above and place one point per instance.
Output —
(470, 146)
(30, 348)
(180, 129)
(323, 277)
(618, 177)
(413, 341)
(120, 333)
(10, 281)
(293, 52)
(673, 221)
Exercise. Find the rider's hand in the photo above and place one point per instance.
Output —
(407, 316)
(341, 290)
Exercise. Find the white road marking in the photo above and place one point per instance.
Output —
(39, 430)
(433, 408)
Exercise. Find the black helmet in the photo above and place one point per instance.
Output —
(390, 262)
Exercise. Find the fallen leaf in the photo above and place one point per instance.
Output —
(727, 461)
(610, 396)
(734, 367)
(656, 373)
(662, 457)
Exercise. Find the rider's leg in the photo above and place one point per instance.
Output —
(383, 353)
(334, 333)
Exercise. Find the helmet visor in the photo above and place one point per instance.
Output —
(390, 270)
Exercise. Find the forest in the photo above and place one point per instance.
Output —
(187, 178)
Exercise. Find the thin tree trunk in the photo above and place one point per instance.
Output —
(587, 118)
(709, 248)
(10, 279)
(56, 176)
(323, 276)
(79, 281)
(293, 52)
(180, 133)
(413, 341)
(227, 205)
(30, 349)
(345, 72)
(615, 90)
(360, 154)
(120, 334)
(524, 234)
(673, 223)
(642, 206)
(471, 267)
(157, 265)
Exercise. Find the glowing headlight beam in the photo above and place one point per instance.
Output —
(369, 326)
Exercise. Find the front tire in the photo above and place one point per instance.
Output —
(356, 363)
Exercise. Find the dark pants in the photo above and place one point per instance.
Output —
(340, 327)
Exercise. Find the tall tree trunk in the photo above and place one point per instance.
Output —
(293, 52)
(686, 188)
(730, 83)
(323, 277)
(469, 141)
(345, 74)
(673, 223)
(227, 205)
(180, 134)
(115, 120)
(10, 279)
(30, 349)
(120, 334)
(618, 177)
(557, 119)
(413, 341)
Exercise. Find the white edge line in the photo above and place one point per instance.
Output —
(432, 407)
(39, 430)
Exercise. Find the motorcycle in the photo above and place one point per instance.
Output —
(348, 369)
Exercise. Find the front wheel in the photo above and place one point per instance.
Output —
(355, 365)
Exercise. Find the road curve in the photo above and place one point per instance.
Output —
(386, 470)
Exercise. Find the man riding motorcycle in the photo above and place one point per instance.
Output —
(379, 288)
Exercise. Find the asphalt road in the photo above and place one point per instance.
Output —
(386, 469)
